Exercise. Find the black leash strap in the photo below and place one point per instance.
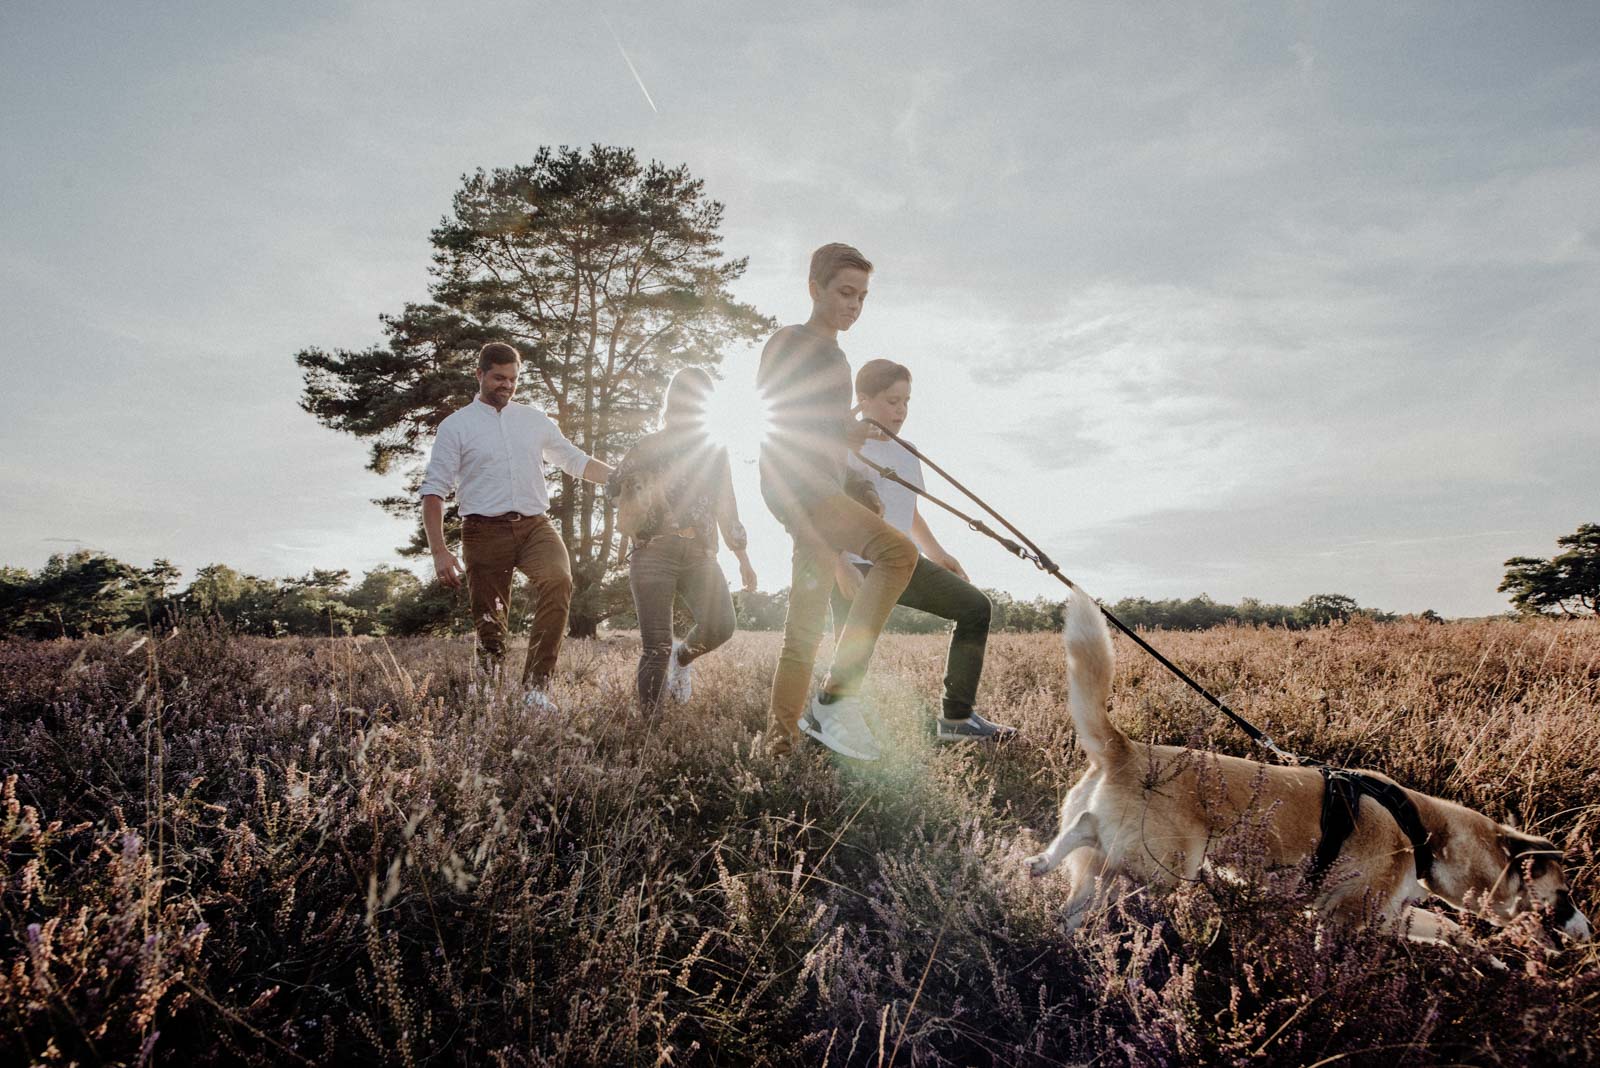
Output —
(1034, 555)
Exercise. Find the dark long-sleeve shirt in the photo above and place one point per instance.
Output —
(804, 379)
(680, 480)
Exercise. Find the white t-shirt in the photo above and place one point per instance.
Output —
(899, 503)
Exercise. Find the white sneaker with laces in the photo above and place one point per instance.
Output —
(680, 680)
(840, 726)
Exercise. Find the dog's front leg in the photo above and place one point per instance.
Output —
(1434, 929)
(1087, 870)
(1082, 832)
(1424, 926)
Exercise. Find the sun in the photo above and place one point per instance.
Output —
(736, 418)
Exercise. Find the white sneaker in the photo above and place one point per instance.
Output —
(840, 726)
(537, 700)
(680, 680)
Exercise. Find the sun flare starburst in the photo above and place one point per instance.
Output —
(737, 418)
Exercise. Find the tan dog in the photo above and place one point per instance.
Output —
(1149, 812)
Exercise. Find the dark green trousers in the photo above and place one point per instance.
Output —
(942, 593)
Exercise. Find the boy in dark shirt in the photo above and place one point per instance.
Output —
(806, 384)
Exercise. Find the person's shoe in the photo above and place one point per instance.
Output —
(972, 729)
(536, 699)
(840, 726)
(680, 681)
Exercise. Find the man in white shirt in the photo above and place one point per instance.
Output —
(491, 455)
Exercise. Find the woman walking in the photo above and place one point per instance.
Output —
(675, 490)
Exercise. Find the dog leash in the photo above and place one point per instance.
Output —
(1034, 555)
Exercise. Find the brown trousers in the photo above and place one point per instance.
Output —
(827, 528)
(493, 549)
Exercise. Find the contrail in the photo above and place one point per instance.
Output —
(631, 68)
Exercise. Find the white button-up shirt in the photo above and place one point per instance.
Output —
(494, 460)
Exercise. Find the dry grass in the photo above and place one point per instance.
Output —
(222, 850)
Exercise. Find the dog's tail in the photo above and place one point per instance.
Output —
(1089, 667)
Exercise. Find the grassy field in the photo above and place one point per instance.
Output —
(314, 851)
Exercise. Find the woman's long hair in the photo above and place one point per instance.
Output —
(684, 405)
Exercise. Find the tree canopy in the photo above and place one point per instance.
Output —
(80, 593)
(1567, 584)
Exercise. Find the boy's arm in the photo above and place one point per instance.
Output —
(923, 536)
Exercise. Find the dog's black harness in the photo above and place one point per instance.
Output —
(1341, 797)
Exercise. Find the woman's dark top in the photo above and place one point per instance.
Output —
(684, 482)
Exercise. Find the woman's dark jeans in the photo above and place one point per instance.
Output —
(663, 569)
(947, 595)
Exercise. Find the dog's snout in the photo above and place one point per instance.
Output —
(1567, 919)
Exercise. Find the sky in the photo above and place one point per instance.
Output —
(1248, 300)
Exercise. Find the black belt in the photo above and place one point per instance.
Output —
(1341, 797)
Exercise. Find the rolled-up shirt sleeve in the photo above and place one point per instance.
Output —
(560, 452)
(444, 465)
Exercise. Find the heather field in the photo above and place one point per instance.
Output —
(225, 850)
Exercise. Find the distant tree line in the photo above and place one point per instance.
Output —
(1202, 613)
(81, 593)
(85, 592)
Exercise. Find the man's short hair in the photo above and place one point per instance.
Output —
(497, 352)
(875, 376)
(830, 259)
